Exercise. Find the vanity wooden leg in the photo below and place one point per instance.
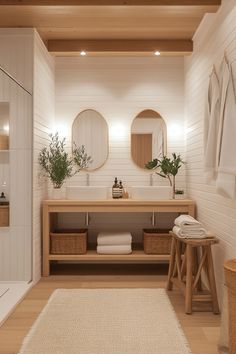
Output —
(45, 267)
(46, 240)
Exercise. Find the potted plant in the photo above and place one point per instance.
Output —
(168, 168)
(58, 165)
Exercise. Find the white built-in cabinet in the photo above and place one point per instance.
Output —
(27, 83)
(16, 182)
(16, 73)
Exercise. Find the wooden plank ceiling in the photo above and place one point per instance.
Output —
(110, 27)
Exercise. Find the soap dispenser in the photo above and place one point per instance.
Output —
(115, 189)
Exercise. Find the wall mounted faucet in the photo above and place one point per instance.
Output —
(151, 179)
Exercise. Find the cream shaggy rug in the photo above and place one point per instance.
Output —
(107, 321)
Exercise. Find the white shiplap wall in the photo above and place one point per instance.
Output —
(119, 88)
(216, 35)
(43, 106)
(16, 53)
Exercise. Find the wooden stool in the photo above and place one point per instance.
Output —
(189, 257)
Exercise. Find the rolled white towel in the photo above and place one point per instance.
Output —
(114, 249)
(190, 227)
(191, 230)
(187, 220)
(114, 238)
(200, 233)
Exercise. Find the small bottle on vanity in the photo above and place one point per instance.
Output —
(115, 190)
(125, 194)
(121, 188)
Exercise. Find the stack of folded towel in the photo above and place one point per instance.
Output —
(114, 243)
(188, 227)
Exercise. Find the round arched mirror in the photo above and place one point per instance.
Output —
(90, 129)
(148, 137)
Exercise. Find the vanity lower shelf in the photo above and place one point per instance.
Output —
(137, 256)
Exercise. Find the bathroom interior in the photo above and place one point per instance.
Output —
(130, 82)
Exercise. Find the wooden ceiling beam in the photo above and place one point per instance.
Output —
(120, 46)
(112, 2)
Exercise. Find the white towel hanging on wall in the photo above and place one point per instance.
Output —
(227, 134)
(211, 126)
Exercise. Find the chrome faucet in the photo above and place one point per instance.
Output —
(87, 179)
(151, 179)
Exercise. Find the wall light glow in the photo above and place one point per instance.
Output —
(118, 130)
(175, 130)
(61, 129)
(6, 128)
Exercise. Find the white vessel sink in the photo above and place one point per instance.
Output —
(86, 192)
(151, 192)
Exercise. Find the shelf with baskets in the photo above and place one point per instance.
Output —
(51, 208)
(91, 255)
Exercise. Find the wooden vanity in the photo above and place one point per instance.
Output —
(51, 208)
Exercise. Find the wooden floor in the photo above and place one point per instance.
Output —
(201, 328)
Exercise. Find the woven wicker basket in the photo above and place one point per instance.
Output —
(156, 241)
(68, 242)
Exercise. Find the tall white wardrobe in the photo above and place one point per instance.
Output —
(27, 113)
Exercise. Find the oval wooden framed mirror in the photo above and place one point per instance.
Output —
(91, 130)
(148, 137)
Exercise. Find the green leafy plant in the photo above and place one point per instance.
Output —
(168, 167)
(80, 157)
(56, 162)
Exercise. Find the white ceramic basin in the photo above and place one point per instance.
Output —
(151, 192)
(86, 192)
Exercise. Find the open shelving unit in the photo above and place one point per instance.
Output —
(51, 208)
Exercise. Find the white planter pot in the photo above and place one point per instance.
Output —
(57, 193)
(180, 196)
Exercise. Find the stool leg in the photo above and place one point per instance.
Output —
(212, 282)
(169, 285)
(196, 267)
(183, 266)
(189, 279)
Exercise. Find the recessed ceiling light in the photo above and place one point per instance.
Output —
(83, 53)
(157, 53)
